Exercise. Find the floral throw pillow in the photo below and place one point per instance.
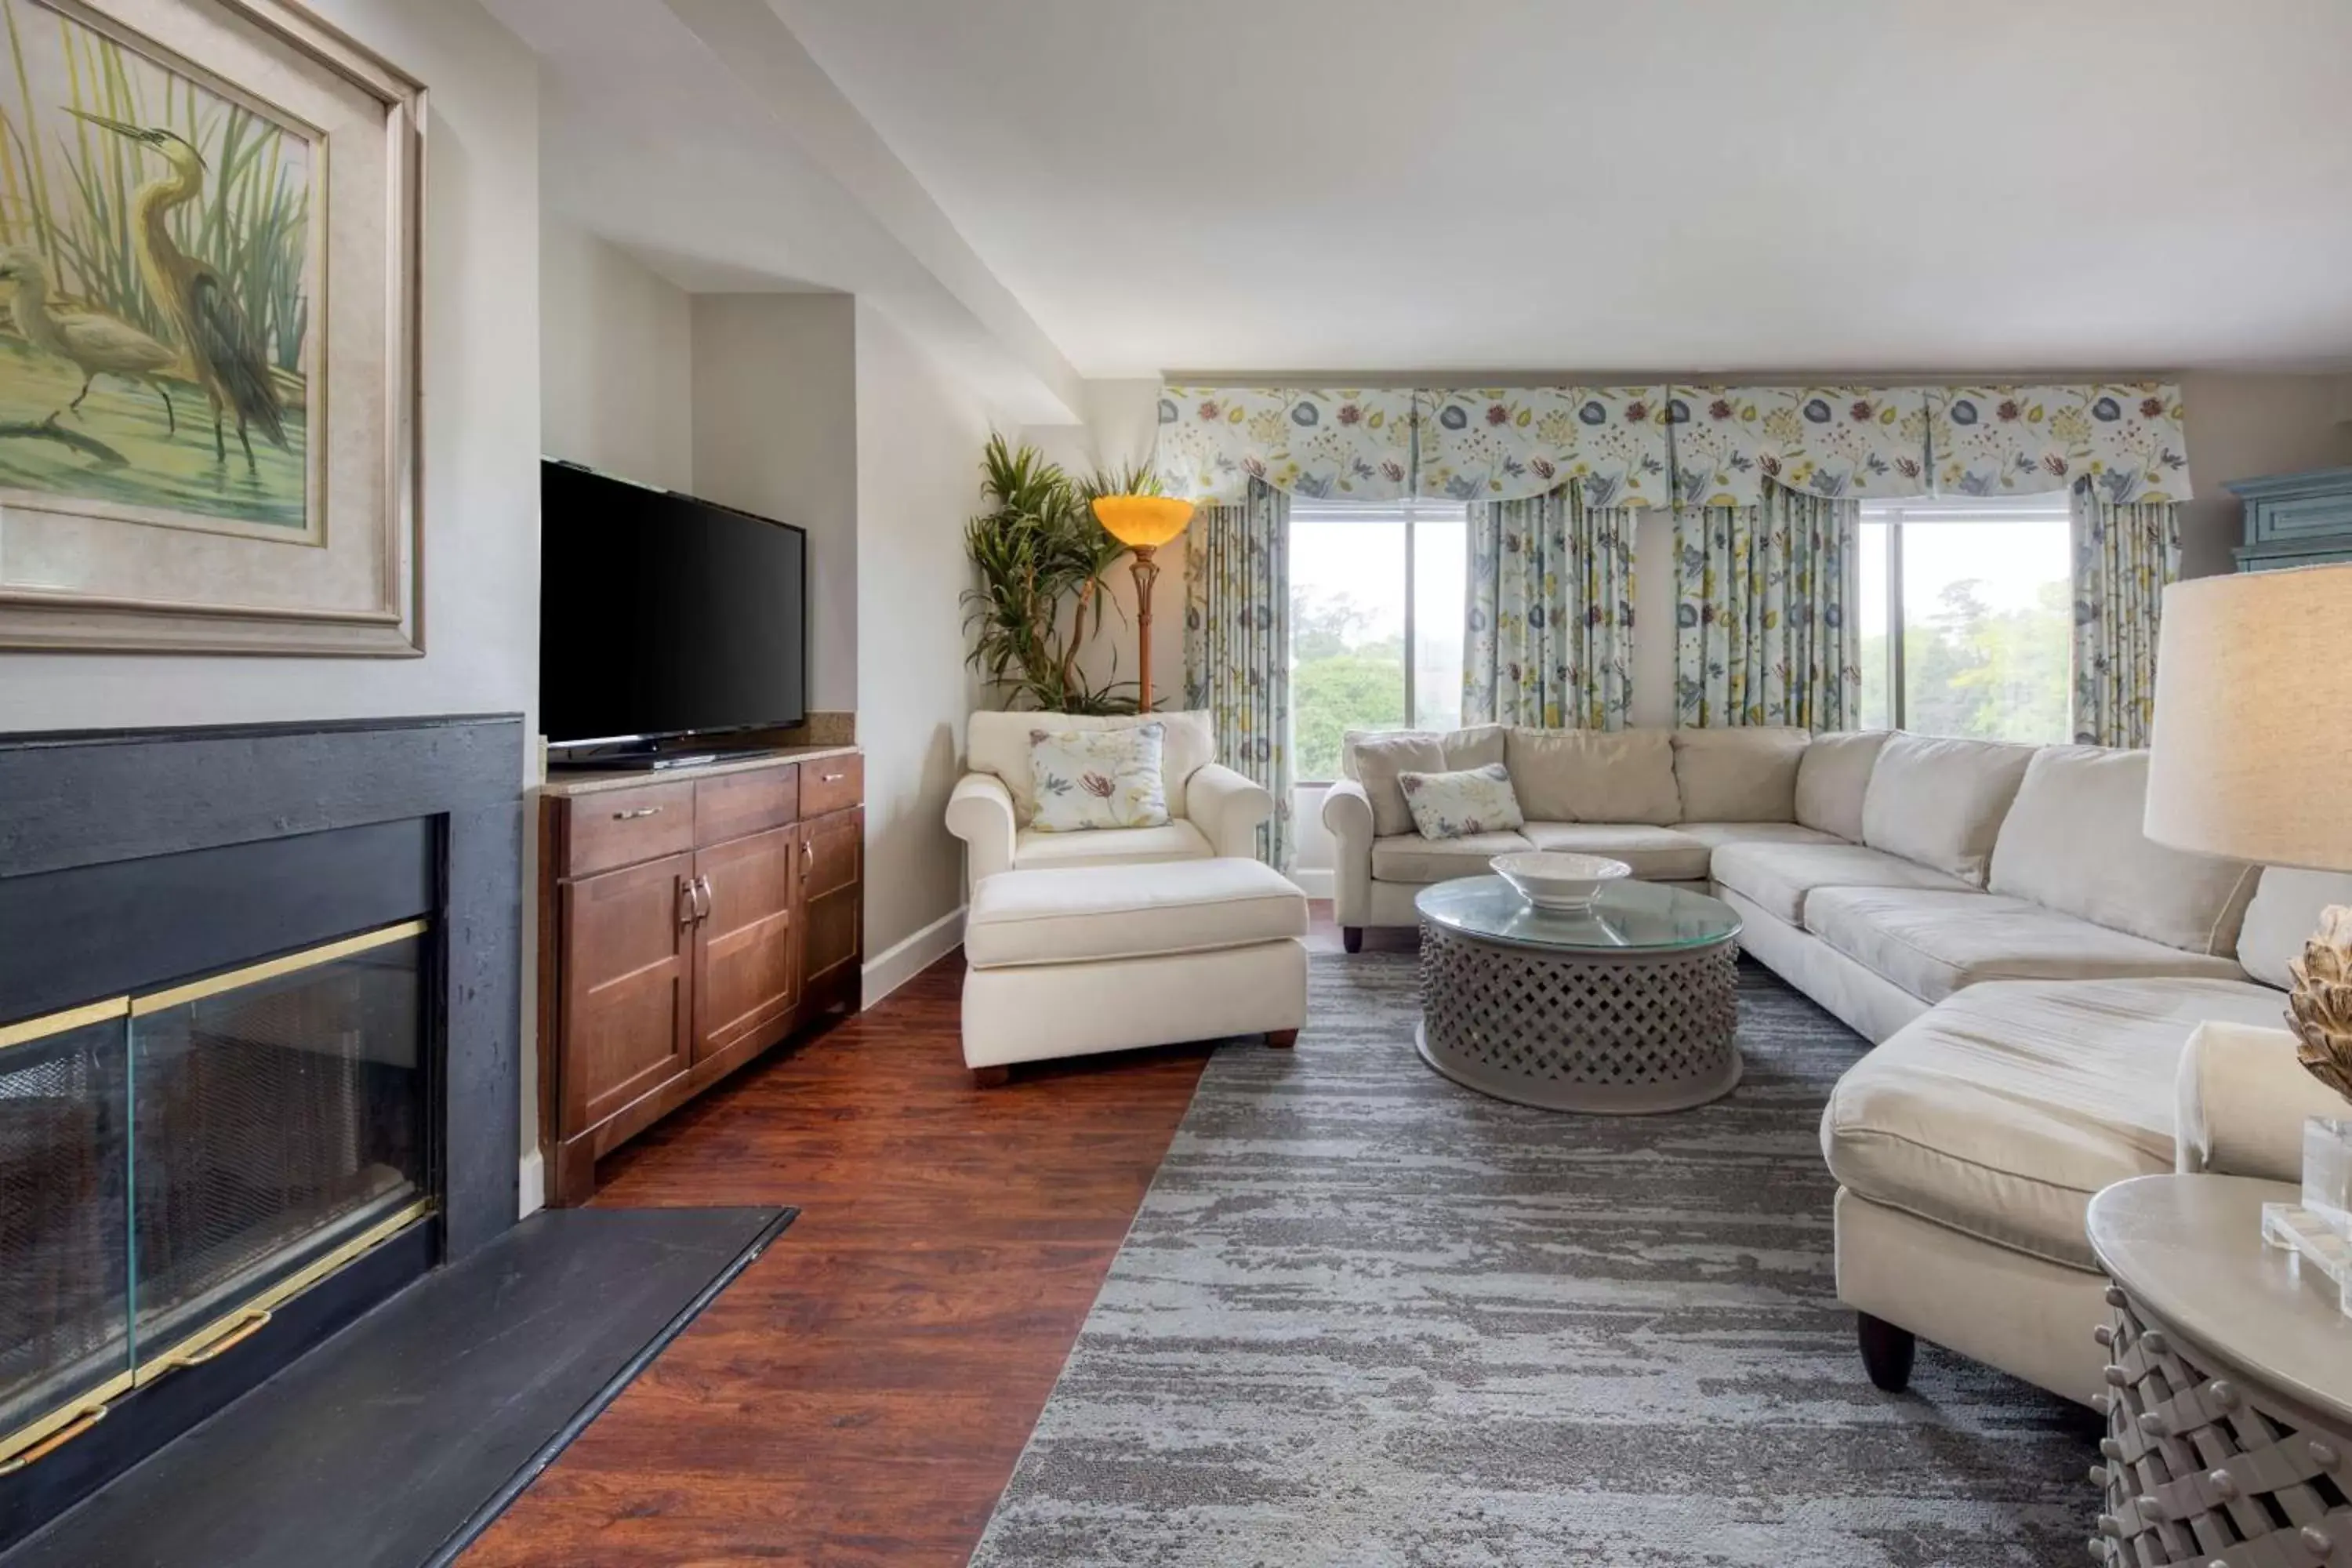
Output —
(1455, 806)
(1098, 778)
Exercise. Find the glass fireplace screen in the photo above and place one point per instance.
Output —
(172, 1165)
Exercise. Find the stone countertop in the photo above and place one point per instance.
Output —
(570, 782)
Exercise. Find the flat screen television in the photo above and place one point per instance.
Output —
(662, 618)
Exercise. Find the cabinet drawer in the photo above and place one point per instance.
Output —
(733, 805)
(623, 827)
(831, 784)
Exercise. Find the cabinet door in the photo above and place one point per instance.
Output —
(628, 1010)
(832, 896)
(743, 970)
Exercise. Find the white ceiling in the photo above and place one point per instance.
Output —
(1636, 186)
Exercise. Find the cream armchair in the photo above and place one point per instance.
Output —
(1213, 810)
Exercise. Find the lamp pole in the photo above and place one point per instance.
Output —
(1143, 523)
(1147, 575)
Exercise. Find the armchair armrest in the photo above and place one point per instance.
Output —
(980, 812)
(1228, 808)
(2242, 1098)
(1348, 814)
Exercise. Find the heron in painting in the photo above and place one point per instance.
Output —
(97, 344)
(223, 346)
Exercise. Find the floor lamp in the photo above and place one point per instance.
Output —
(1143, 523)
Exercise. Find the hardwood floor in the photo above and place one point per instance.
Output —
(860, 1394)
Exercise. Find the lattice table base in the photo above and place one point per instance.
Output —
(2201, 1472)
(1621, 1034)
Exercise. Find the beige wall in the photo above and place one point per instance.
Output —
(919, 433)
(481, 431)
(615, 361)
(2242, 428)
(775, 432)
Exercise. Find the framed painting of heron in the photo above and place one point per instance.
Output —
(208, 265)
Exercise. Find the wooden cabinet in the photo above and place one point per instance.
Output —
(686, 925)
(2295, 519)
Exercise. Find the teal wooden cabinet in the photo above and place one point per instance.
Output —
(2295, 519)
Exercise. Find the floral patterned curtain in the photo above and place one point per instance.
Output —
(1237, 644)
(1732, 443)
(2123, 556)
(1764, 629)
(1547, 640)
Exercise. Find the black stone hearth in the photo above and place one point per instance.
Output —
(136, 860)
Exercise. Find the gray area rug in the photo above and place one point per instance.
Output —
(1366, 1317)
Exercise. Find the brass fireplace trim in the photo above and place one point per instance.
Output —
(39, 1438)
(48, 1024)
(271, 968)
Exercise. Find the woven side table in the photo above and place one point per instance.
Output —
(1630, 1010)
(2230, 1406)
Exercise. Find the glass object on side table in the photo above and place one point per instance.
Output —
(2319, 1229)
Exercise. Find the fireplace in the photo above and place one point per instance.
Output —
(259, 1061)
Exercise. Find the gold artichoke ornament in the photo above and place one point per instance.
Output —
(2319, 1007)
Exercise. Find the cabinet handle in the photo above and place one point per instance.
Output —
(633, 815)
(808, 857)
(830, 778)
(702, 897)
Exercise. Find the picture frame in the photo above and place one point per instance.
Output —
(211, 223)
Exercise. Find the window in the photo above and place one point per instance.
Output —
(1967, 617)
(1369, 581)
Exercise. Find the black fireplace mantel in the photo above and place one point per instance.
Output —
(133, 856)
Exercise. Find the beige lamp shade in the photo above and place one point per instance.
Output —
(1143, 523)
(2252, 749)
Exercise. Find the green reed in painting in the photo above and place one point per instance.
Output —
(154, 261)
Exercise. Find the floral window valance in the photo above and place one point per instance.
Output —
(1332, 445)
(1509, 444)
(1832, 441)
(2127, 442)
(1689, 446)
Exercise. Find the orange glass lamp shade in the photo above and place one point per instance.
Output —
(1143, 523)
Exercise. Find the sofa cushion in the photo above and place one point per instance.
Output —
(1776, 877)
(2284, 913)
(1409, 858)
(1456, 804)
(1375, 758)
(2000, 1112)
(1739, 775)
(1833, 778)
(2071, 842)
(1939, 801)
(998, 743)
(1097, 913)
(1594, 776)
(1654, 854)
(1932, 943)
(1714, 834)
(1034, 848)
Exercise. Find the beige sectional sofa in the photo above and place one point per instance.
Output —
(2031, 967)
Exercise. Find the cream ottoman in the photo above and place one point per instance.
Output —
(1103, 958)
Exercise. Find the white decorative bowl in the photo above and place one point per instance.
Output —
(1552, 880)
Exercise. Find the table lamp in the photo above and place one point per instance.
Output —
(2252, 759)
(1143, 523)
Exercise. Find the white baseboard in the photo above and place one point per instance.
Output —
(1317, 882)
(895, 965)
(532, 1186)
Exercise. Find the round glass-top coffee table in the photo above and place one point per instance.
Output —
(1627, 1009)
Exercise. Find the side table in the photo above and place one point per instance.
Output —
(2230, 1374)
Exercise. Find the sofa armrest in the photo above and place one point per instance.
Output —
(1348, 814)
(2242, 1098)
(980, 812)
(1228, 808)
